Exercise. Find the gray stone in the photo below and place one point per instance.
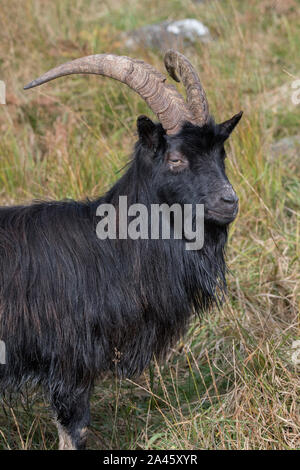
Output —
(168, 34)
(288, 147)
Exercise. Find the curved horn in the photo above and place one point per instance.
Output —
(164, 100)
(196, 98)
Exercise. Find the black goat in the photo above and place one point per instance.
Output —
(72, 306)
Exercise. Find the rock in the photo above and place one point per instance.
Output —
(288, 147)
(168, 33)
(190, 29)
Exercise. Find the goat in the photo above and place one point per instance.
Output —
(73, 306)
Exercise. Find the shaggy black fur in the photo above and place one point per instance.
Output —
(73, 307)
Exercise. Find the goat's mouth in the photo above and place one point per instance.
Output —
(221, 217)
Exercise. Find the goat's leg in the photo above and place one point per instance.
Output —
(72, 417)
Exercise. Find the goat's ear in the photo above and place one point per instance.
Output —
(147, 131)
(227, 127)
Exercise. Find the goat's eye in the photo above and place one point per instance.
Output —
(176, 162)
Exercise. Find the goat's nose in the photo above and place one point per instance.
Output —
(230, 199)
(229, 196)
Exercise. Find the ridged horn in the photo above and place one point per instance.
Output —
(163, 99)
(177, 64)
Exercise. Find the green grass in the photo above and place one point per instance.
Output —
(231, 383)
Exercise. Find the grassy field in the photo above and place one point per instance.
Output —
(231, 384)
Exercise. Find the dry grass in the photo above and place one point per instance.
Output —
(232, 383)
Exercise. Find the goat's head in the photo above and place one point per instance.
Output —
(186, 151)
(189, 167)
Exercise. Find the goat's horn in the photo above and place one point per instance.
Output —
(164, 100)
(177, 63)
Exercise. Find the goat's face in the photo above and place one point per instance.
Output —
(189, 168)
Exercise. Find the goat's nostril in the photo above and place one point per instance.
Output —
(230, 198)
